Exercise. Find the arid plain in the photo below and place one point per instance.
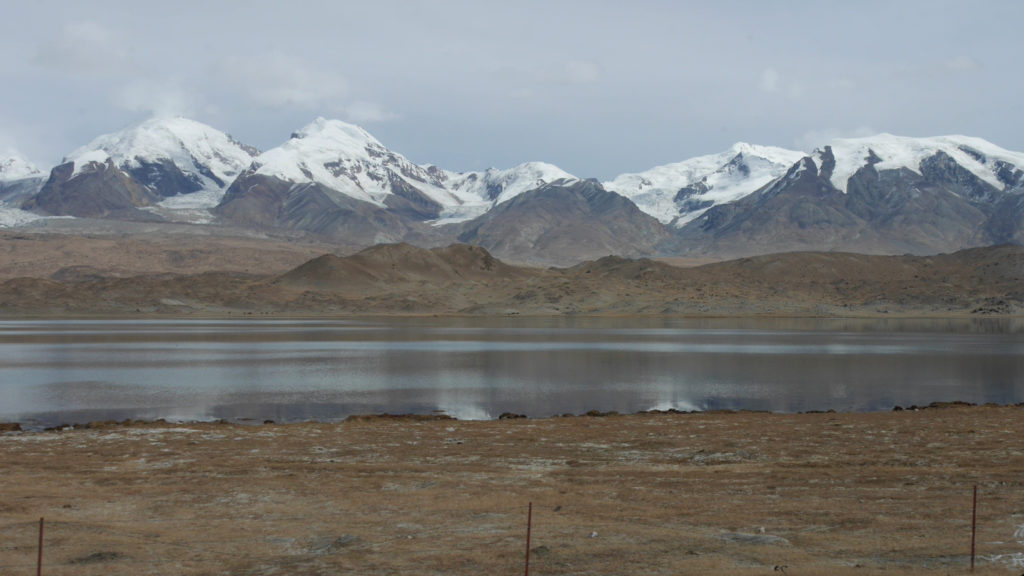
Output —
(702, 493)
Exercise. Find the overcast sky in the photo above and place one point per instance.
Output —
(598, 88)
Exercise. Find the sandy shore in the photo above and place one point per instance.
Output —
(739, 493)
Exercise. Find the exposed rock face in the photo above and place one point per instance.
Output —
(165, 178)
(937, 206)
(1006, 223)
(19, 179)
(880, 195)
(172, 156)
(16, 192)
(678, 193)
(173, 167)
(352, 168)
(265, 202)
(564, 224)
(98, 190)
(795, 211)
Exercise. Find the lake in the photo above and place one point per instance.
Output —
(61, 372)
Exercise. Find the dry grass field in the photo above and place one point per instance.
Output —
(658, 494)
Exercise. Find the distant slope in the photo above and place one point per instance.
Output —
(102, 190)
(919, 196)
(403, 279)
(389, 266)
(678, 193)
(163, 168)
(19, 180)
(562, 224)
(333, 181)
(330, 165)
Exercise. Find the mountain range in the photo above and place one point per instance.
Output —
(334, 181)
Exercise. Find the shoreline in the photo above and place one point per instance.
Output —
(8, 316)
(440, 416)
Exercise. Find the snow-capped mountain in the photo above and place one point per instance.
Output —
(346, 159)
(680, 192)
(187, 164)
(19, 179)
(332, 177)
(995, 166)
(884, 194)
(481, 191)
(14, 166)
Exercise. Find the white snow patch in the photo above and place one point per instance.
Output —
(905, 152)
(478, 192)
(347, 159)
(729, 176)
(12, 217)
(85, 161)
(14, 166)
(192, 146)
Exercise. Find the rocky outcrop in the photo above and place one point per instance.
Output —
(98, 190)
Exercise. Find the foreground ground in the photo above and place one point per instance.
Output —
(646, 494)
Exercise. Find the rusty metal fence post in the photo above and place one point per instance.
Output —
(39, 562)
(974, 524)
(529, 525)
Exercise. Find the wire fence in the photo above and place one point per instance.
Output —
(512, 540)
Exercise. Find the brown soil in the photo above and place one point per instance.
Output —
(192, 250)
(740, 493)
(238, 276)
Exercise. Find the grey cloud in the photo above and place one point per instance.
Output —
(597, 87)
(83, 47)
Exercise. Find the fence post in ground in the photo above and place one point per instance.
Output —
(529, 525)
(39, 562)
(974, 524)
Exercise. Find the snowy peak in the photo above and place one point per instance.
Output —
(680, 192)
(478, 192)
(993, 165)
(337, 136)
(19, 179)
(14, 166)
(347, 160)
(173, 156)
(500, 185)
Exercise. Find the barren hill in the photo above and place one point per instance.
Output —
(388, 266)
(462, 279)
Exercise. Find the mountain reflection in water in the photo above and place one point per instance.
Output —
(60, 372)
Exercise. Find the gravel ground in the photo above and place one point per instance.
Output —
(723, 493)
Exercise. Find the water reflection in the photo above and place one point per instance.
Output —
(57, 372)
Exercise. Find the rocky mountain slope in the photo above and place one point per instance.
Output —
(880, 195)
(678, 193)
(561, 224)
(166, 168)
(333, 181)
(19, 180)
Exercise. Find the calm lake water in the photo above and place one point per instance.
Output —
(58, 372)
